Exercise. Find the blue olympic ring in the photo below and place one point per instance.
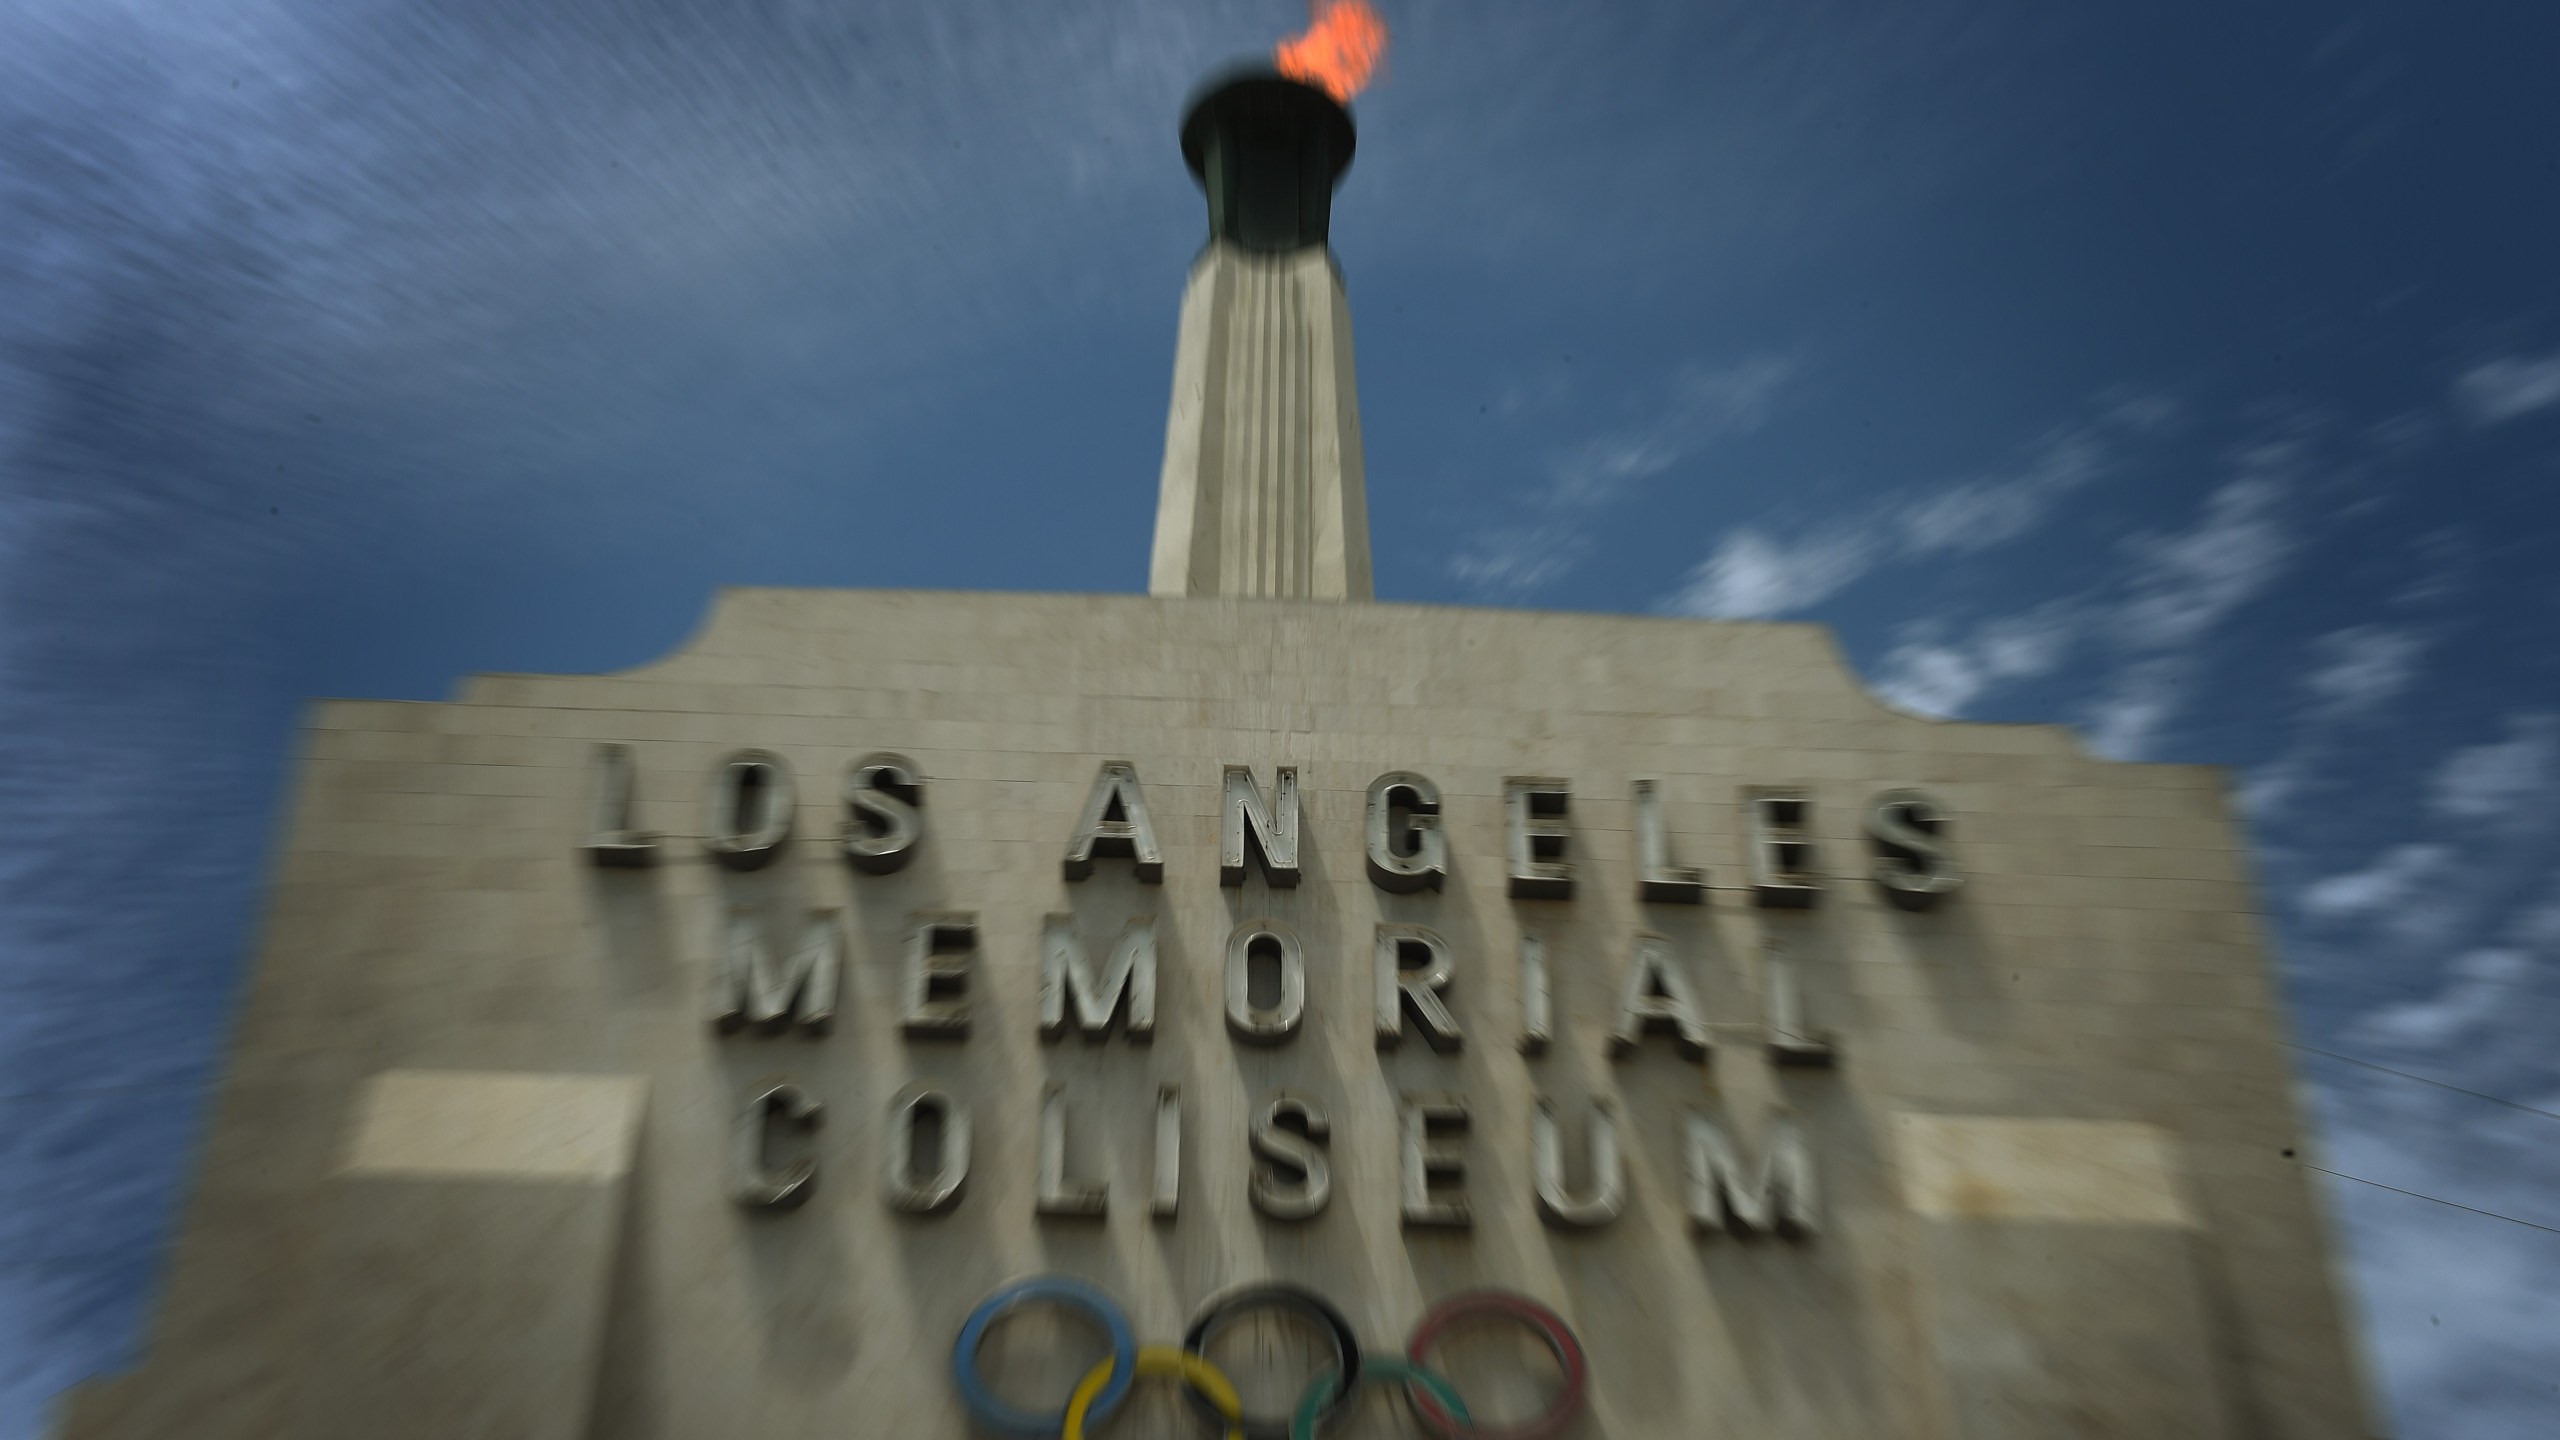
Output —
(1049, 1290)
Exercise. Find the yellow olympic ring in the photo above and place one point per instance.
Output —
(1160, 1362)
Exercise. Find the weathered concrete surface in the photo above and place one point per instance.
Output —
(466, 1245)
(2058, 1281)
(433, 910)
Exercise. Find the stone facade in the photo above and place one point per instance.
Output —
(469, 1170)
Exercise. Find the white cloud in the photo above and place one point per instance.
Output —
(2498, 780)
(1546, 538)
(2270, 787)
(2538, 927)
(2460, 1306)
(1936, 676)
(1751, 574)
(1980, 514)
(2183, 585)
(1931, 679)
(2480, 988)
(2391, 877)
(2360, 667)
(2445, 561)
(2123, 722)
(2143, 410)
(1705, 406)
(1518, 560)
(2508, 388)
(2030, 644)
(2189, 582)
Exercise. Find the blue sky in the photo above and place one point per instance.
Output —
(2187, 372)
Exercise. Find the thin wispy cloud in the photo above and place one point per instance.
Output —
(2183, 586)
(2479, 985)
(1706, 405)
(2445, 557)
(2187, 582)
(2356, 675)
(2455, 1298)
(1758, 572)
(2440, 888)
(2462, 1320)
(2146, 695)
(2509, 387)
(2360, 668)
(2503, 780)
(1514, 561)
(1546, 531)
(1935, 673)
(1754, 575)
(2391, 878)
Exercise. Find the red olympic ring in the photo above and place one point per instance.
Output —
(1502, 1304)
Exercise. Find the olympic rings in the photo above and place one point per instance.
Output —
(1472, 1304)
(1104, 1387)
(1160, 1362)
(1057, 1290)
(1378, 1369)
(1222, 1310)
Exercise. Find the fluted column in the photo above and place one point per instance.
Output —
(1262, 492)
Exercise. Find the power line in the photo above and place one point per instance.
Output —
(2423, 1080)
(2436, 1199)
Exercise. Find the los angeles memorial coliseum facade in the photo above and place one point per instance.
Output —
(698, 1051)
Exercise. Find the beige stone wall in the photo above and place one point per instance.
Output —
(433, 911)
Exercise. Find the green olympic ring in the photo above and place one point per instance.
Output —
(1386, 1370)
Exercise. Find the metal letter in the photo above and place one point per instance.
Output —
(1066, 975)
(1168, 1195)
(1269, 832)
(1781, 851)
(1908, 828)
(750, 1183)
(1533, 819)
(1256, 1024)
(1657, 997)
(747, 984)
(884, 819)
(1781, 1195)
(934, 998)
(1535, 1024)
(904, 1189)
(1427, 1159)
(1419, 986)
(1608, 1194)
(1115, 823)
(1301, 1150)
(1424, 866)
(1790, 1042)
(610, 838)
(748, 808)
(1059, 1195)
(1657, 878)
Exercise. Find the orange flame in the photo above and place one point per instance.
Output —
(1344, 42)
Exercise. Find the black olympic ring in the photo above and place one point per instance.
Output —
(1434, 1403)
(1222, 1310)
